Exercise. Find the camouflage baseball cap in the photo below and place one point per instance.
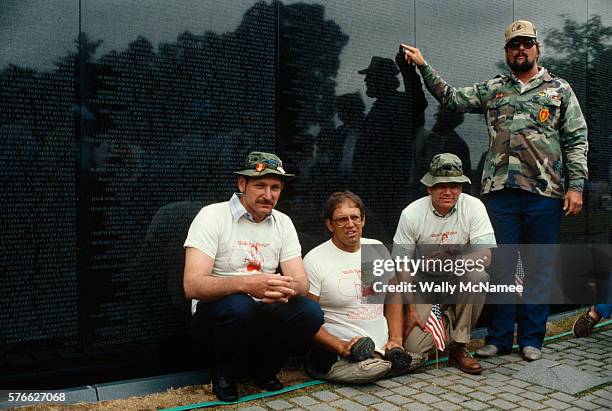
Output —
(259, 164)
(444, 168)
(522, 28)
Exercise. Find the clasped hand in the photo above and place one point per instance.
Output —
(271, 288)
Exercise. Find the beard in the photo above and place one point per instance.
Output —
(523, 67)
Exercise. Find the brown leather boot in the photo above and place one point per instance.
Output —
(464, 361)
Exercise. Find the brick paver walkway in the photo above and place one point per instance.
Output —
(449, 389)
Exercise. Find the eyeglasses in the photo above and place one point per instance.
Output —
(516, 43)
(344, 220)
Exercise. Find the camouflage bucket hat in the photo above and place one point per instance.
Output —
(445, 168)
(259, 164)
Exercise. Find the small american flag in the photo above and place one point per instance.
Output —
(519, 276)
(435, 326)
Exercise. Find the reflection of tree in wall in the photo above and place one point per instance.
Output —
(156, 125)
(585, 48)
(579, 52)
(309, 48)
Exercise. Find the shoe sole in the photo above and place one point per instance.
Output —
(465, 370)
(477, 354)
(228, 399)
(362, 349)
(484, 355)
(398, 358)
(574, 330)
(531, 359)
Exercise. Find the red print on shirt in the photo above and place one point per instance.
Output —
(254, 261)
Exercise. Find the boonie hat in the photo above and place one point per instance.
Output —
(444, 168)
(259, 164)
(520, 28)
(381, 65)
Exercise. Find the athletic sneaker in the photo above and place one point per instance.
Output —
(362, 349)
(362, 372)
(398, 357)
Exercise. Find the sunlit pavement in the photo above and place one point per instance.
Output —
(505, 383)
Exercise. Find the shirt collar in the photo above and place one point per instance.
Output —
(451, 212)
(539, 74)
(238, 210)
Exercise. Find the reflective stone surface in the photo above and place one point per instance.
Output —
(121, 119)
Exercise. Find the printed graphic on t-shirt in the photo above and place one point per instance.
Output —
(254, 262)
(349, 284)
(349, 289)
(250, 256)
(366, 312)
(445, 237)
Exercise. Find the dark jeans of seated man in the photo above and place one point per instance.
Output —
(242, 337)
(319, 361)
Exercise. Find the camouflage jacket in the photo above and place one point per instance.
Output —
(529, 132)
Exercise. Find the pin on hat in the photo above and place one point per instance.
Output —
(520, 28)
(259, 164)
(444, 168)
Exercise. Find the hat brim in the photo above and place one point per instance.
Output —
(531, 36)
(263, 173)
(430, 180)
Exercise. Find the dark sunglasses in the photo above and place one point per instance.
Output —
(515, 44)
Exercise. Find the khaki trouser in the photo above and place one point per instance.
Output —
(459, 318)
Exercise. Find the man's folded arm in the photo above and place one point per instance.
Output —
(294, 268)
(199, 284)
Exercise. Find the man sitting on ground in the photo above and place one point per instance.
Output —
(355, 344)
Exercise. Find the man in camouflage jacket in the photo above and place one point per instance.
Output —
(534, 122)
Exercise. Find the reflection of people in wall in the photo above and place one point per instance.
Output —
(386, 151)
(534, 122)
(444, 139)
(351, 111)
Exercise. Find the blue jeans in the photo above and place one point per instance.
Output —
(521, 217)
(243, 337)
(604, 310)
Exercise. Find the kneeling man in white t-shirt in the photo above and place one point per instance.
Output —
(443, 234)
(355, 344)
(248, 317)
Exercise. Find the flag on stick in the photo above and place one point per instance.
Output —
(435, 326)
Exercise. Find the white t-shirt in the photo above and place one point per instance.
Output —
(240, 246)
(335, 277)
(468, 223)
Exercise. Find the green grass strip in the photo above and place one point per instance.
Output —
(246, 398)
